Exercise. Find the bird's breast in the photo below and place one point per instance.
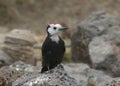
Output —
(55, 38)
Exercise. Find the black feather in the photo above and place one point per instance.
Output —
(52, 53)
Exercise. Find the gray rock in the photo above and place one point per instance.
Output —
(94, 25)
(100, 33)
(21, 66)
(86, 76)
(8, 75)
(17, 75)
(4, 59)
(18, 44)
(20, 37)
(113, 82)
(2, 38)
(54, 77)
(97, 24)
(114, 34)
(80, 51)
(23, 53)
(103, 55)
(100, 49)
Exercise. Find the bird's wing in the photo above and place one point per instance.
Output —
(46, 48)
(61, 51)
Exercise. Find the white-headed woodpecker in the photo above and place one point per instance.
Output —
(53, 47)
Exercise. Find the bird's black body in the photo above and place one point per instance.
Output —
(52, 53)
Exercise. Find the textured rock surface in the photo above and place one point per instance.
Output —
(18, 45)
(55, 77)
(20, 37)
(80, 51)
(8, 75)
(100, 34)
(94, 25)
(85, 75)
(100, 49)
(113, 82)
(17, 53)
(104, 48)
(4, 59)
(89, 28)
(2, 38)
(21, 74)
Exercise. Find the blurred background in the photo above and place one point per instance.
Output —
(92, 39)
(35, 14)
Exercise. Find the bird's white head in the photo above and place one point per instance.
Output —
(54, 28)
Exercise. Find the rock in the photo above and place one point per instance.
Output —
(114, 34)
(113, 82)
(75, 69)
(80, 51)
(21, 66)
(8, 75)
(86, 76)
(19, 46)
(94, 25)
(16, 53)
(89, 28)
(98, 23)
(2, 38)
(4, 59)
(105, 56)
(54, 77)
(100, 34)
(21, 74)
(20, 37)
(100, 49)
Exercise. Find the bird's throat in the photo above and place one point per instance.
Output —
(55, 38)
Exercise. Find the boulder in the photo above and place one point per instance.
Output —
(2, 38)
(113, 82)
(4, 59)
(21, 74)
(16, 53)
(100, 49)
(18, 44)
(9, 74)
(54, 77)
(80, 51)
(87, 29)
(100, 34)
(72, 74)
(86, 76)
(94, 25)
(20, 37)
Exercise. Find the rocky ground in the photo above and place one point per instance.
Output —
(100, 36)
(21, 74)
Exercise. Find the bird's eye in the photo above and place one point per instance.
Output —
(54, 28)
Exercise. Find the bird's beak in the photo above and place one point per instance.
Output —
(63, 28)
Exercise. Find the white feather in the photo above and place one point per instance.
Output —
(55, 38)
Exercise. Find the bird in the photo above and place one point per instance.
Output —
(53, 48)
